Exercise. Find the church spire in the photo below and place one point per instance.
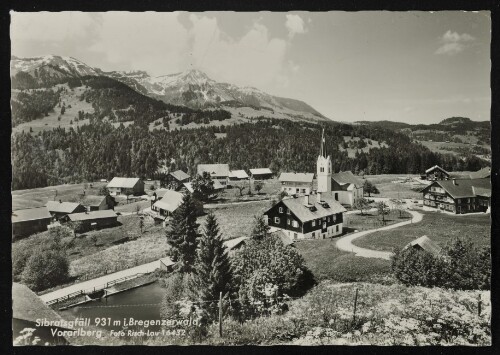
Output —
(323, 148)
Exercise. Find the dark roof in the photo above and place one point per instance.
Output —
(26, 305)
(459, 188)
(299, 208)
(426, 244)
(30, 214)
(179, 175)
(92, 200)
(62, 207)
(481, 174)
(296, 177)
(347, 177)
(85, 216)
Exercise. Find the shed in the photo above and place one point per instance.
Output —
(238, 175)
(261, 173)
(126, 186)
(58, 208)
(29, 221)
(167, 264)
(424, 243)
(93, 219)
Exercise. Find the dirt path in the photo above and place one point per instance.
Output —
(345, 243)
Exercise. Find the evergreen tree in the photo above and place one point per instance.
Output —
(182, 235)
(260, 229)
(212, 268)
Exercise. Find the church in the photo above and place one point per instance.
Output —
(312, 216)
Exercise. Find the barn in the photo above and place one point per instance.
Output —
(92, 220)
(126, 186)
(98, 203)
(261, 173)
(29, 221)
(58, 208)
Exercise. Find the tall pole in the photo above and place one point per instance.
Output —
(220, 314)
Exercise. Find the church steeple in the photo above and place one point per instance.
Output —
(324, 167)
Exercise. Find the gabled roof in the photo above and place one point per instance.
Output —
(239, 174)
(30, 214)
(459, 188)
(62, 207)
(26, 305)
(480, 191)
(123, 182)
(296, 177)
(221, 170)
(347, 177)
(170, 201)
(260, 171)
(233, 243)
(188, 186)
(438, 168)
(92, 200)
(298, 207)
(285, 239)
(85, 216)
(481, 174)
(179, 175)
(426, 244)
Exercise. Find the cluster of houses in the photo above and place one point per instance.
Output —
(92, 212)
(464, 194)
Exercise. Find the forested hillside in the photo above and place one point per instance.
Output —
(99, 150)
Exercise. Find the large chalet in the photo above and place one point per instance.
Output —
(459, 195)
(315, 216)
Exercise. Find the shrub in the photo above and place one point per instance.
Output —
(45, 268)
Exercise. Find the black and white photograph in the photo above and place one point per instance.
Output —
(251, 178)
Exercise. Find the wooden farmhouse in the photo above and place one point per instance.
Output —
(436, 173)
(261, 173)
(126, 186)
(175, 179)
(97, 202)
(92, 220)
(29, 221)
(347, 188)
(237, 175)
(165, 206)
(297, 183)
(459, 195)
(58, 208)
(315, 216)
(218, 172)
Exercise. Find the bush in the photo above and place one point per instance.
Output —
(45, 269)
(461, 265)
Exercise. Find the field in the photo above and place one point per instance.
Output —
(236, 220)
(372, 220)
(327, 262)
(38, 197)
(439, 227)
(270, 189)
(394, 190)
(70, 98)
(450, 147)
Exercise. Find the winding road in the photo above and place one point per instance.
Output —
(345, 243)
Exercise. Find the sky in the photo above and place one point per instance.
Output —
(414, 67)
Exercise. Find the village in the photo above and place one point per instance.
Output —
(118, 227)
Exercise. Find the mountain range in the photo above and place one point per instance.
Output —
(193, 88)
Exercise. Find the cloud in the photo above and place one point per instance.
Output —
(453, 43)
(294, 24)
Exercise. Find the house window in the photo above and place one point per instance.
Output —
(336, 196)
(313, 223)
(322, 169)
(295, 224)
(314, 235)
(288, 211)
(297, 190)
(303, 190)
(276, 220)
(324, 225)
(288, 222)
(295, 236)
(281, 209)
(328, 219)
(337, 229)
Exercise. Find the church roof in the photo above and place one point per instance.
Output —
(347, 177)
